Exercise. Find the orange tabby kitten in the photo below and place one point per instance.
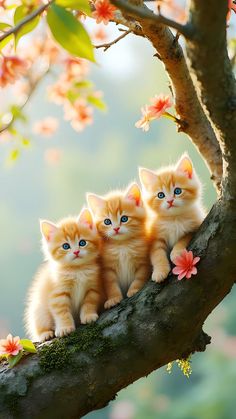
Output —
(68, 285)
(174, 196)
(120, 218)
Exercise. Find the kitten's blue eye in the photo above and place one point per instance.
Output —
(66, 246)
(177, 191)
(124, 219)
(107, 221)
(82, 243)
(161, 195)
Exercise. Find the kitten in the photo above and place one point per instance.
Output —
(68, 285)
(173, 195)
(121, 218)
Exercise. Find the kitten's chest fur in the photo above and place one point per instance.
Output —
(125, 259)
(172, 230)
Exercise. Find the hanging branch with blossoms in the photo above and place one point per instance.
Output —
(59, 39)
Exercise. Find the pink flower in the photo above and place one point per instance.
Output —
(10, 345)
(46, 126)
(11, 68)
(104, 11)
(100, 35)
(144, 122)
(80, 114)
(159, 105)
(52, 156)
(185, 265)
(231, 6)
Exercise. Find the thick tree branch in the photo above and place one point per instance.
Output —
(161, 323)
(212, 73)
(146, 14)
(188, 107)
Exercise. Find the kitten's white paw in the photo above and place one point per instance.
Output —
(160, 274)
(112, 302)
(49, 334)
(131, 292)
(64, 331)
(175, 253)
(88, 318)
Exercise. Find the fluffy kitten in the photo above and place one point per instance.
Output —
(120, 218)
(174, 196)
(67, 287)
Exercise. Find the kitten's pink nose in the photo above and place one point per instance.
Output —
(76, 252)
(116, 229)
(170, 202)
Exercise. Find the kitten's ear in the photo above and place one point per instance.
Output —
(134, 194)
(48, 229)
(95, 202)
(85, 217)
(185, 166)
(147, 177)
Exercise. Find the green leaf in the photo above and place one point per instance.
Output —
(13, 360)
(17, 113)
(5, 26)
(96, 101)
(20, 13)
(25, 142)
(28, 346)
(69, 32)
(81, 5)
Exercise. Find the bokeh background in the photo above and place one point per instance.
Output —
(50, 180)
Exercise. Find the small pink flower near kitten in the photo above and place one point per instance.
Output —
(13, 348)
(185, 265)
(160, 103)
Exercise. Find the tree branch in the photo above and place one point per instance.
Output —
(212, 73)
(27, 19)
(196, 125)
(109, 44)
(145, 13)
(83, 372)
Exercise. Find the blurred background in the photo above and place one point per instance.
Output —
(50, 180)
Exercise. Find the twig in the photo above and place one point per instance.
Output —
(27, 19)
(33, 86)
(145, 13)
(109, 44)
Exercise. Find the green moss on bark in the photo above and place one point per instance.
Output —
(59, 354)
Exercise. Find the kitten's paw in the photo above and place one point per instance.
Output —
(49, 334)
(132, 291)
(64, 331)
(112, 302)
(88, 318)
(175, 253)
(160, 274)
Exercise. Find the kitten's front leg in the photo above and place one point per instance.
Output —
(112, 289)
(180, 246)
(141, 277)
(159, 259)
(60, 307)
(90, 306)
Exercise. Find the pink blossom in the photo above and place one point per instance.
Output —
(231, 6)
(46, 126)
(11, 68)
(10, 346)
(159, 105)
(104, 11)
(144, 122)
(185, 265)
(100, 35)
(79, 113)
(52, 156)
